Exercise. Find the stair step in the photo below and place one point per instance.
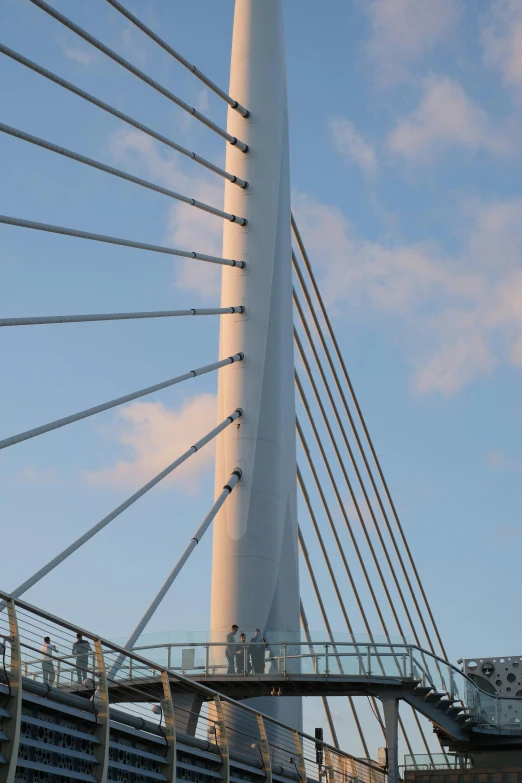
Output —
(454, 710)
(444, 704)
(462, 717)
(435, 697)
(471, 723)
(422, 690)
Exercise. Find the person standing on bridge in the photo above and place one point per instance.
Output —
(256, 649)
(231, 649)
(81, 649)
(47, 650)
(242, 654)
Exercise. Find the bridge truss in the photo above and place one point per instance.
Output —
(355, 558)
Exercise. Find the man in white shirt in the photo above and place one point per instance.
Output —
(47, 650)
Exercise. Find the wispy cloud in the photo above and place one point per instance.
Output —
(352, 147)
(153, 436)
(34, 475)
(502, 41)
(455, 316)
(134, 42)
(83, 56)
(446, 118)
(498, 460)
(403, 32)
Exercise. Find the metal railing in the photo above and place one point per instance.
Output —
(154, 698)
(277, 660)
(339, 659)
(423, 762)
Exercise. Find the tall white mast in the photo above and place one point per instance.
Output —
(255, 581)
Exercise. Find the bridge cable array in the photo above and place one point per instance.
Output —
(51, 565)
(19, 134)
(194, 541)
(120, 115)
(53, 425)
(40, 320)
(137, 72)
(61, 319)
(73, 232)
(177, 56)
(361, 449)
(370, 503)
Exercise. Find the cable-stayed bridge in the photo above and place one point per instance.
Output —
(298, 499)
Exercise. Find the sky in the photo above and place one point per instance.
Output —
(406, 172)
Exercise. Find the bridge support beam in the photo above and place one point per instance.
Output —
(12, 712)
(101, 705)
(222, 739)
(391, 726)
(170, 770)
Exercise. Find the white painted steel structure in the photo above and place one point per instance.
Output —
(255, 557)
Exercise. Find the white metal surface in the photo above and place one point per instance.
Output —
(255, 558)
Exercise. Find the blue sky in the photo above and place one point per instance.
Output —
(406, 169)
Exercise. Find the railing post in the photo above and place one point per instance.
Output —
(207, 658)
(410, 654)
(222, 741)
(300, 758)
(169, 656)
(326, 661)
(369, 661)
(245, 660)
(101, 707)
(14, 704)
(265, 749)
(330, 774)
(170, 729)
(284, 659)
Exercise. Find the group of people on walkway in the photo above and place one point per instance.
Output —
(80, 650)
(245, 656)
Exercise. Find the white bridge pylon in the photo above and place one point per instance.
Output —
(255, 580)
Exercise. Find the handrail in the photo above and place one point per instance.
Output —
(190, 684)
(478, 700)
(366, 645)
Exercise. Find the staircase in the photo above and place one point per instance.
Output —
(457, 728)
